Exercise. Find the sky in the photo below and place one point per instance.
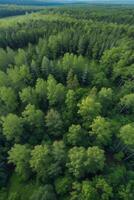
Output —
(67, 1)
(108, 1)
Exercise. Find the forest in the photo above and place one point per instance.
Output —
(14, 10)
(67, 102)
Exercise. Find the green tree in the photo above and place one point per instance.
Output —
(41, 160)
(28, 96)
(77, 159)
(20, 58)
(19, 76)
(127, 134)
(8, 100)
(54, 123)
(48, 161)
(89, 108)
(19, 155)
(127, 102)
(33, 120)
(101, 131)
(12, 127)
(103, 189)
(95, 159)
(106, 98)
(41, 91)
(75, 135)
(72, 80)
(126, 192)
(45, 67)
(6, 58)
(83, 191)
(71, 106)
(55, 92)
(44, 193)
(63, 185)
(4, 80)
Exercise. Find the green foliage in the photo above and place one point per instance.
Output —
(12, 127)
(82, 191)
(63, 185)
(75, 135)
(55, 92)
(19, 155)
(89, 108)
(95, 159)
(128, 102)
(19, 76)
(8, 100)
(66, 103)
(104, 187)
(126, 192)
(126, 134)
(77, 158)
(54, 123)
(40, 160)
(47, 161)
(33, 120)
(28, 96)
(101, 131)
(45, 193)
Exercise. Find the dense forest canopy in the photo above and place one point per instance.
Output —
(12, 10)
(67, 103)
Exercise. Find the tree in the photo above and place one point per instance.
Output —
(4, 80)
(20, 58)
(126, 192)
(41, 89)
(101, 131)
(19, 155)
(83, 191)
(127, 102)
(19, 76)
(54, 123)
(48, 161)
(41, 160)
(33, 120)
(63, 185)
(82, 161)
(106, 94)
(89, 108)
(88, 192)
(72, 80)
(76, 164)
(12, 127)
(71, 106)
(95, 159)
(8, 100)
(44, 193)
(28, 96)
(45, 67)
(103, 189)
(6, 58)
(75, 135)
(106, 98)
(55, 92)
(116, 175)
(127, 134)
(14, 196)
(58, 152)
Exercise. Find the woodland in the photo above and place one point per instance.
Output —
(67, 102)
